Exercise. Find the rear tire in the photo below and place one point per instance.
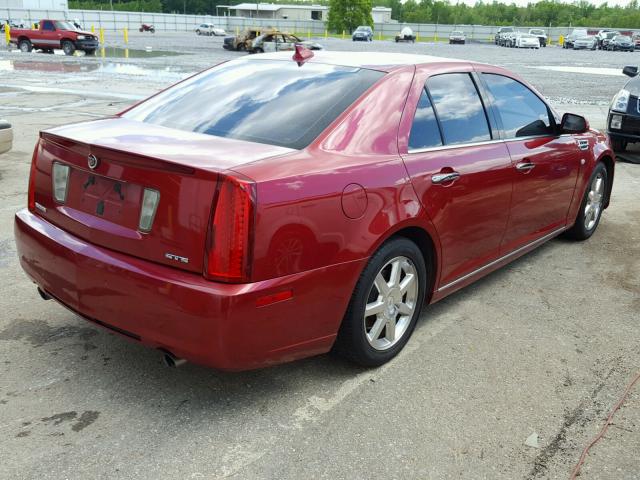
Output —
(25, 46)
(392, 289)
(591, 206)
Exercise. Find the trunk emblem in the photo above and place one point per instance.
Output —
(92, 162)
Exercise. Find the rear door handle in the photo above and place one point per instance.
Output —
(525, 166)
(445, 177)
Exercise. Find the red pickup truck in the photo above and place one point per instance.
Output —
(55, 34)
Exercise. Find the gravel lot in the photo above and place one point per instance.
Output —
(546, 345)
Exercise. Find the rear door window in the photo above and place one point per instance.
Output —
(425, 132)
(522, 112)
(48, 26)
(458, 108)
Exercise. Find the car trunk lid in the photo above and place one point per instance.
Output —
(112, 162)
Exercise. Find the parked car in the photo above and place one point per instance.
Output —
(406, 35)
(6, 136)
(54, 34)
(636, 40)
(272, 208)
(279, 41)
(540, 34)
(621, 43)
(573, 36)
(508, 39)
(145, 27)
(243, 41)
(601, 35)
(209, 29)
(363, 33)
(623, 120)
(606, 39)
(525, 40)
(457, 36)
(585, 43)
(499, 34)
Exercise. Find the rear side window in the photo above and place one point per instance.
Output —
(459, 108)
(425, 132)
(263, 101)
(523, 114)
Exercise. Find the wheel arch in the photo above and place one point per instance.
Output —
(425, 243)
(609, 165)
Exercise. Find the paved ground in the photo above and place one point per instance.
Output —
(546, 345)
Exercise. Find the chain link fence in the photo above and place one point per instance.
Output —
(116, 20)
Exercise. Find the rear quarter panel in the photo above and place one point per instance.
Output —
(302, 220)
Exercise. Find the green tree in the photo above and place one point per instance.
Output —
(349, 14)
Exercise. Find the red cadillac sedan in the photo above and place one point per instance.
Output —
(268, 209)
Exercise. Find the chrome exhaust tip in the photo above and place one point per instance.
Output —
(44, 295)
(172, 361)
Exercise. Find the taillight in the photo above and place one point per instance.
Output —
(231, 231)
(60, 181)
(31, 197)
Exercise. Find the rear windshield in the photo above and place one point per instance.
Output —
(263, 101)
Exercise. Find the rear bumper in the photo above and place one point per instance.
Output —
(209, 323)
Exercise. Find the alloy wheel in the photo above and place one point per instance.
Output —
(593, 207)
(391, 303)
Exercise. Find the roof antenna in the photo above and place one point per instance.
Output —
(302, 54)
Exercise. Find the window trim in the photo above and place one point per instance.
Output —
(552, 119)
(482, 103)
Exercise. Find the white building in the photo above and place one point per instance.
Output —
(381, 14)
(280, 11)
(295, 12)
(35, 4)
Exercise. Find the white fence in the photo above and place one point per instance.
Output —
(116, 20)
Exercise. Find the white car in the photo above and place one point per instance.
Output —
(526, 40)
(541, 34)
(209, 29)
(6, 136)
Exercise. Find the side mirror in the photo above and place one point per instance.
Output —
(572, 123)
(630, 71)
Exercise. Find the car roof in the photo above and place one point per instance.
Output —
(373, 60)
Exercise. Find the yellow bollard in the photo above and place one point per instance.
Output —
(309, 33)
(561, 40)
(417, 37)
(125, 32)
(93, 29)
(126, 53)
(101, 35)
(326, 34)
(380, 35)
(342, 34)
(102, 52)
(7, 33)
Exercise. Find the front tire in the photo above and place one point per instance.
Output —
(618, 144)
(68, 47)
(592, 204)
(385, 304)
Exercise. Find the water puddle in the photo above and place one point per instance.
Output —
(116, 52)
(614, 72)
(111, 68)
